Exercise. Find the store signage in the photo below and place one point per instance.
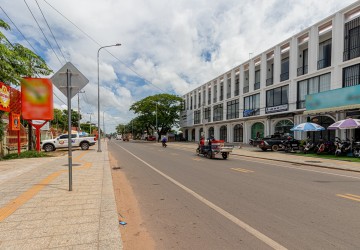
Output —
(14, 121)
(4, 97)
(37, 99)
(337, 98)
(275, 109)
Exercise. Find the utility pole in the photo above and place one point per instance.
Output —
(80, 92)
(90, 121)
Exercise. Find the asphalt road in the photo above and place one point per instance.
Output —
(190, 202)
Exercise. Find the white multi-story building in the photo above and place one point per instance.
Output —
(312, 76)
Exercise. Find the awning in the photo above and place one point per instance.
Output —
(332, 109)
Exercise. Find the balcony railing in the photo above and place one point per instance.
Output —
(236, 93)
(246, 89)
(300, 104)
(269, 81)
(324, 63)
(351, 53)
(214, 100)
(284, 76)
(256, 85)
(351, 81)
(302, 70)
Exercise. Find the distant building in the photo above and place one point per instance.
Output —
(293, 82)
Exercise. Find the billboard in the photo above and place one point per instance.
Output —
(37, 99)
(4, 97)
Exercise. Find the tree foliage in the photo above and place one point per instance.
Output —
(17, 61)
(162, 110)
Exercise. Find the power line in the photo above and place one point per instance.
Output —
(18, 29)
(42, 32)
(50, 30)
(59, 99)
(92, 39)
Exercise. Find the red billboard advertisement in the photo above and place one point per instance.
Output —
(14, 121)
(4, 97)
(37, 99)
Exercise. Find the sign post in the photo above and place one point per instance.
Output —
(74, 79)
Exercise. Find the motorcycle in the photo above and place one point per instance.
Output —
(356, 149)
(310, 146)
(290, 145)
(342, 147)
(326, 147)
(164, 144)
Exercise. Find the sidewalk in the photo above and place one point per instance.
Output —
(38, 212)
(254, 152)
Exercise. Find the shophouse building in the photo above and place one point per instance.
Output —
(312, 76)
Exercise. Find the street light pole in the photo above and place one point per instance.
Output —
(98, 71)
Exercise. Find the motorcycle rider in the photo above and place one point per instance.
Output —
(163, 141)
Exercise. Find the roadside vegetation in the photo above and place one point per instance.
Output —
(332, 157)
(26, 154)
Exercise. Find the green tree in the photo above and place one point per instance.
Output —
(74, 118)
(162, 110)
(17, 61)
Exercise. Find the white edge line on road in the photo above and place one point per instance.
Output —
(266, 161)
(229, 216)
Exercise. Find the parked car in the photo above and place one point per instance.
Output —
(62, 142)
(150, 138)
(274, 142)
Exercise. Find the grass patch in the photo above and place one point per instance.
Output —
(332, 157)
(25, 154)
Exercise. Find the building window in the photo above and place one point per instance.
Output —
(191, 103)
(269, 74)
(218, 112)
(352, 39)
(221, 91)
(232, 109)
(204, 96)
(237, 85)
(228, 90)
(304, 62)
(215, 93)
(211, 131)
(257, 80)
(251, 105)
(197, 117)
(277, 96)
(194, 100)
(207, 112)
(223, 133)
(351, 76)
(246, 82)
(209, 95)
(284, 69)
(238, 133)
(310, 86)
(183, 104)
(199, 100)
(324, 54)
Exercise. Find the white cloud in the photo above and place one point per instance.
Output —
(177, 45)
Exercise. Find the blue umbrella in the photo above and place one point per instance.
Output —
(307, 126)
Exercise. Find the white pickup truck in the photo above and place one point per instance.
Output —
(62, 142)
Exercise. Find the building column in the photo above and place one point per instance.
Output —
(251, 75)
(313, 48)
(277, 65)
(232, 83)
(337, 49)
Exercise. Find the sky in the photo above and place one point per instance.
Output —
(166, 46)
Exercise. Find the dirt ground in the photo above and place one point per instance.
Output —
(134, 235)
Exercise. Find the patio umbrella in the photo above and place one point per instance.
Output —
(346, 124)
(307, 126)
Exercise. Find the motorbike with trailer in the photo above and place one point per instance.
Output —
(210, 148)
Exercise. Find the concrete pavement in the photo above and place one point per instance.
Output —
(38, 212)
(254, 152)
